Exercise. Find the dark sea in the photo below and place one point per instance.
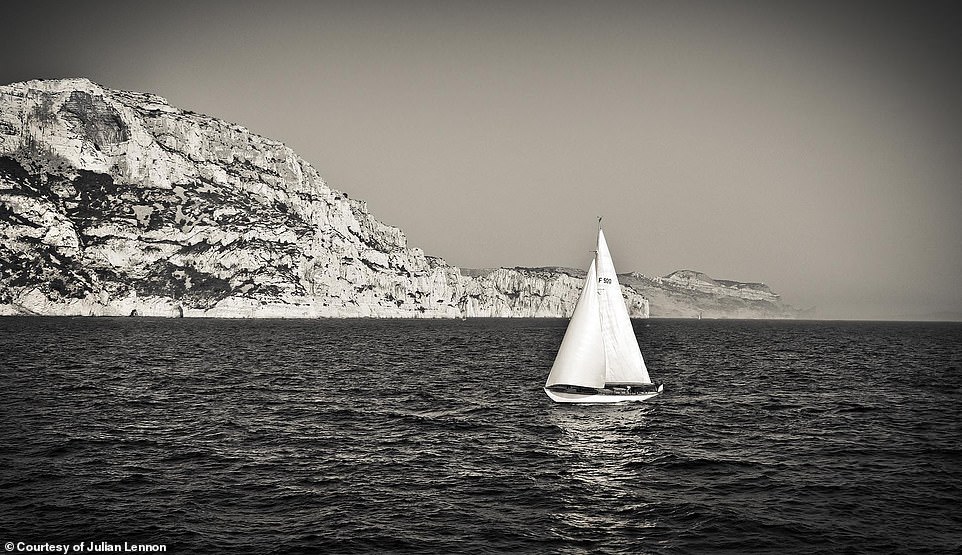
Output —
(392, 436)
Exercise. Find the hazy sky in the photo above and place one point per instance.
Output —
(814, 147)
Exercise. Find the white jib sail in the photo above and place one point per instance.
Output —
(581, 358)
(623, 359)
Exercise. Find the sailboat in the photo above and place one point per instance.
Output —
(599, 360)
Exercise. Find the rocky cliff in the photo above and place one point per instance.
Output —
(690, 294)
(533, 292)
(681, 294)
(115, 203)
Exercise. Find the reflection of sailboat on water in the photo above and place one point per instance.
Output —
(599, 360)
(603, 456)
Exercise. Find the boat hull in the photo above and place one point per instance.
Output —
(597, 398)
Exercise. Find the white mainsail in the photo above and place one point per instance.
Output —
(581, 358)
(623, 360)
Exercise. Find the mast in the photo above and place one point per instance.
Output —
(596, 246)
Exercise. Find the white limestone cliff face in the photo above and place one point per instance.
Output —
(114, 202)
(551, 292)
